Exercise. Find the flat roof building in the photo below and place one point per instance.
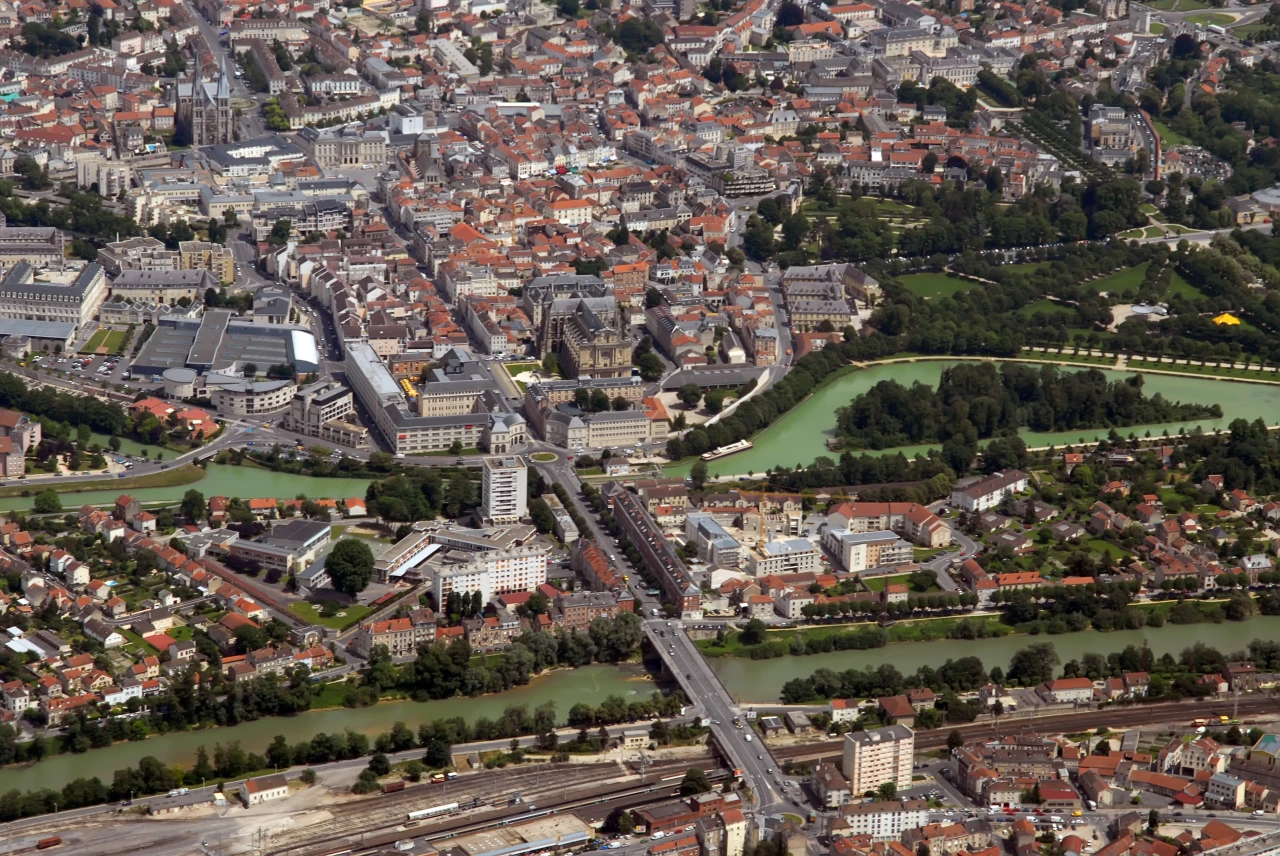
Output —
(218, 342)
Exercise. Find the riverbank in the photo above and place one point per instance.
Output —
(185, 474)
(761, 681)
(565, 687)
(215, 480)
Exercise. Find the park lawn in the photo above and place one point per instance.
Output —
(1208, 18)
(112, 340)
(1098, 545)
(1178, 285)
(930, 285)
(351, 615)
(1024, 267)
(95, 342)
(1049, 307)
(514, 369)
(1169, 137)
(1121, 280)
(1156, 29)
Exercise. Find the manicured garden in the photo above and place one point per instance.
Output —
(931, 285)
(344, 617)
(104, 341)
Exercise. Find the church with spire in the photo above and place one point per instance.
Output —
(204, 108)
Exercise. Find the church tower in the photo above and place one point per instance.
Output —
(204, 109)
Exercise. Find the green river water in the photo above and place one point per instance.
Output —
(590, 684)
(747, 680)
(762, 680)
(219, 480)
(801, 435)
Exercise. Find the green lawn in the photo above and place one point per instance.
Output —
(1156, 28)
(1246, 31)
(1024, 267)
(112, 340)
(1169, 137)
(930, 285)
(1046, 306)
(878, 583)
(1100, 546)
(1121, 280)
(514, 369)
(1208, 18)
(921, 554)
(1178, 285)
(349, 615)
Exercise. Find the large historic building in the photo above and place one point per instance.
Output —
(204, 108)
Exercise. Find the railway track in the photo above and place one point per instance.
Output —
(487, 791)
(1131, 715)
(601, 803)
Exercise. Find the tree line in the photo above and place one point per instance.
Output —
(1171, 677)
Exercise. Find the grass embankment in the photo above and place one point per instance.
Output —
(185, 474)
(909, 630)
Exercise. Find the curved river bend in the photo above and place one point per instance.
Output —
(801, 435)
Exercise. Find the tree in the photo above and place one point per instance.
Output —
(789, 15)
(47, 502)
(694, 782)
(955, 740)
(1153, 820)
(698, 474)
(753, 633)
(689, 395)
(350, 566)
(887, 791)
(379, 765)
(280, 233)
(193, 505)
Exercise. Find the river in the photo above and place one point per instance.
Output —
(219, 480)
(801, 435)
(590, 684)
(762, 680)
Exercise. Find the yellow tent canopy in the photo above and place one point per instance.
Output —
(1228, 319)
